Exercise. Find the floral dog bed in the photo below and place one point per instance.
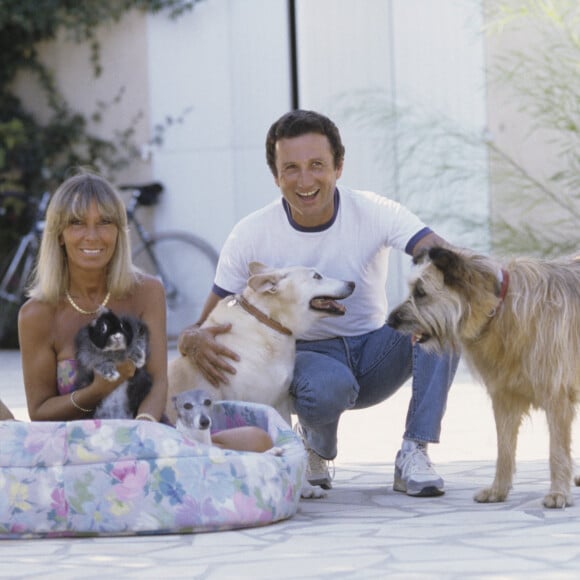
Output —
(109, 477)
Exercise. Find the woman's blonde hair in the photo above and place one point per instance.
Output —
(71, 202)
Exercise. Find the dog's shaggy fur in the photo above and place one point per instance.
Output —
(518, 326)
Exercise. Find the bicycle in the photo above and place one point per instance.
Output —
(17, 269)
(184, 262)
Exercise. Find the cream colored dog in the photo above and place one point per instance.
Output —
(275, 306)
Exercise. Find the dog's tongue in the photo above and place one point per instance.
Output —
(327, 305)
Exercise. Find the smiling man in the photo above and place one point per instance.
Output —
(306, 173)
(349, 362)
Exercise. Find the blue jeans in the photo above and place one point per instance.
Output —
(354, 372)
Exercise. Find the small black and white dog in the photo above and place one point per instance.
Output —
(100, 345)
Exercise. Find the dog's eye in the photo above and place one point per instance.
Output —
(317, 276)
(187, 406)
(418, 292)
(207, 402)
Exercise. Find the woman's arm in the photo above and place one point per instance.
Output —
(36, 324)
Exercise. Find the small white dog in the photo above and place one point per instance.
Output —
(193, 410)
(194, 417)
(275, 306)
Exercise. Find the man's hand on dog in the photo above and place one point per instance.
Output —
(200, 345)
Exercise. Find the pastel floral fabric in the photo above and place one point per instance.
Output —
(114, 477)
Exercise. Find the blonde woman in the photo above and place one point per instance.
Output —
(85, 263)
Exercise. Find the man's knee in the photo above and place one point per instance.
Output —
(317, 398)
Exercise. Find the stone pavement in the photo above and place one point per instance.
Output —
(363, 529)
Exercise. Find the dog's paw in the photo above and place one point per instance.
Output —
(139, 358)
(557, 500)
(110, 375)
(312, 492)
(490, 495)
(277, 451)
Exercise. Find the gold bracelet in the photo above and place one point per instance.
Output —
(146, 416)
(77, 406)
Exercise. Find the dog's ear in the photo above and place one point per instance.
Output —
(421, 256)
(450, 263)
(263, 283)
(257, 268)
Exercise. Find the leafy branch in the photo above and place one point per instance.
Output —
(34, 154)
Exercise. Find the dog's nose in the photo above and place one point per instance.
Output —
(204, 422)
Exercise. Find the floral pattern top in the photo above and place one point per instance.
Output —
(110, 477)
(66, 371)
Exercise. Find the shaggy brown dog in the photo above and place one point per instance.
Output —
(518, 326)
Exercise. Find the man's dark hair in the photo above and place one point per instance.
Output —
(300, 122)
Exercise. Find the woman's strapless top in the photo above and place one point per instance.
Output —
(66, 371)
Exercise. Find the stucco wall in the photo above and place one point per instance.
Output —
(530, 121)
(227, 62)
(124, 57)
(226, 65)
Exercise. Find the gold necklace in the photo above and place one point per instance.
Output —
(87, 312)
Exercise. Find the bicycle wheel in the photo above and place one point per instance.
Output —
(8, 324)
(186, 264)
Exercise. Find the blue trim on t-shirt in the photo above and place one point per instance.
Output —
(314, 229)
(220, 291)
(410, 247)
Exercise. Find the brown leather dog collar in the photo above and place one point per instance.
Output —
(504, 280)
(259, 315)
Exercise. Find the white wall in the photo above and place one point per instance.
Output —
(228, 61)
(422, 53)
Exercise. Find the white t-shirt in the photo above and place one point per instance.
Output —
(354, 245)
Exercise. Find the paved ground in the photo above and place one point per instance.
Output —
(363, 529)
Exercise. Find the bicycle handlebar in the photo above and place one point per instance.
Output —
(146, 193)
(153, 187)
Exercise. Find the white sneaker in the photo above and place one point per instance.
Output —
(317, 470)
(414, 473)
(317, 473)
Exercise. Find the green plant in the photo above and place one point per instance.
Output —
(35, 155)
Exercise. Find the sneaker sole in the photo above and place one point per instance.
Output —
(323, 483)
(427, 491)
